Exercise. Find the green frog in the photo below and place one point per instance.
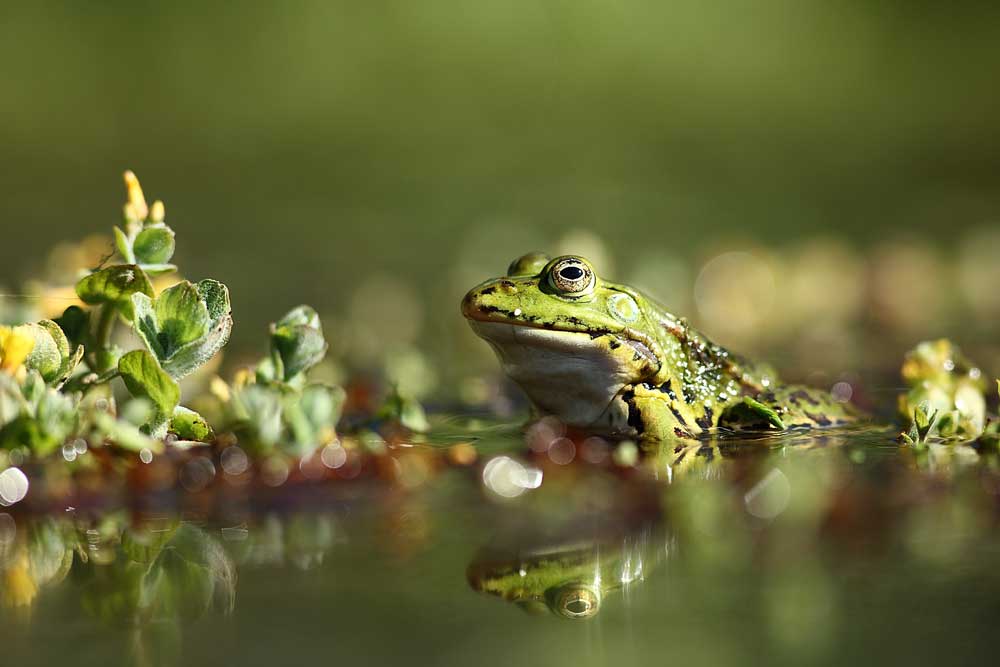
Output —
(569, 578)
(604, 358)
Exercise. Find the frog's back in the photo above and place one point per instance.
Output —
(720, 385)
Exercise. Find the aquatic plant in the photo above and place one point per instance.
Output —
(946, 394)
(273, 406)
(55, 375)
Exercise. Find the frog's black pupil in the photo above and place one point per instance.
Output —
(571, 273)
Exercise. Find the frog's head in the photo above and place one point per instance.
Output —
(569, 578)
(567, 583)
(569, 338)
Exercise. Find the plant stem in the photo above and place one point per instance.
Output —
(102, 336)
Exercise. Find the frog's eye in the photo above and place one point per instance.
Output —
(572, 275)
(577, 602)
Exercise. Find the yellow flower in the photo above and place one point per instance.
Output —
(156, 212)
(136, 208)
(15, 346)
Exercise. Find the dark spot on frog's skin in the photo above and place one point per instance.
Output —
(493, 309)
(706, 421)
(681, 433)
(634, 417)
(488, 290)
(614, 344)
(822, 420)
(804, 395)
(678, 416)
(668, 390)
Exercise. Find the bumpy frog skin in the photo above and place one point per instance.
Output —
(603, 357)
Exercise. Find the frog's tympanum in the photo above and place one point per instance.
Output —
(603, 357)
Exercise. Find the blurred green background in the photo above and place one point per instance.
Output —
(378, 158)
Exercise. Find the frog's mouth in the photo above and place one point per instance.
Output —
(574, 375)
(646, 352)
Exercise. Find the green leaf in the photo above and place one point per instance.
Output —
(45, 357)
(49, 335)
(58, 337)
(124, 246)
(313, 415)
(300, 316)
(189, 425)
(194, 355)
(74, 322)
(185, 326)
(32, 388)
(322, 405)
(145, 325)
(145, 378)
(11, 400)
(259, 408)
(181, 316)
(50, 419)
(298, 341)
(216, 298)
(154, 245)
(114, 284)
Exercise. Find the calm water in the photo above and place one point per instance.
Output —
(836, 549)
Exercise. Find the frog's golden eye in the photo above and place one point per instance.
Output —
(577, 602)
(572, 275)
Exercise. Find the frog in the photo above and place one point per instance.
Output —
(569, 578)
(606, 359)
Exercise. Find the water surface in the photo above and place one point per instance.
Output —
(830, 548)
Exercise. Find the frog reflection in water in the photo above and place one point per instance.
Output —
(603, 357)
(568, 578)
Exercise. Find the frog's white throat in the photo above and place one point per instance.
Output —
(567, 374)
